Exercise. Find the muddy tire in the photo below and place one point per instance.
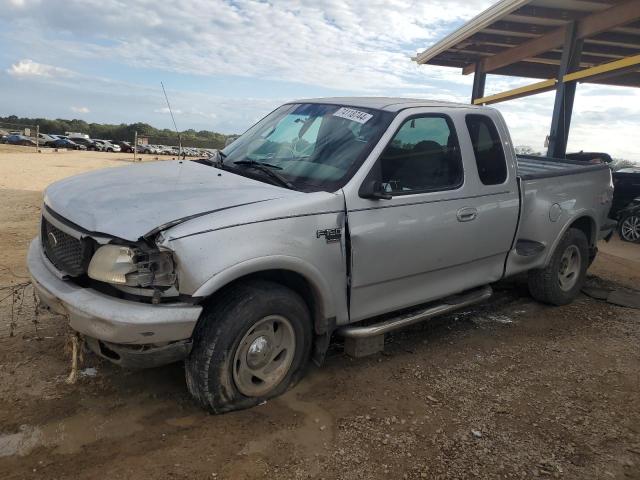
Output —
(251, 344)
(560, 282)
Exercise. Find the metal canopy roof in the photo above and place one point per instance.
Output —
(525, 38)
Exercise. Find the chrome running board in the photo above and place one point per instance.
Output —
(446, 305)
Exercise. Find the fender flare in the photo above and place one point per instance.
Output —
(321, 289)
(577, 216)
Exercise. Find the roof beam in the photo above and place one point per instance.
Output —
(618, 65)
(588, 59)
(595, 23)
(520, 28)
(493, 39)
(525, 91)
(531, 12)
(615, 39)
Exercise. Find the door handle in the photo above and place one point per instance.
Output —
(466, 214)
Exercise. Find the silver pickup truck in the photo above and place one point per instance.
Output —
(347, 216)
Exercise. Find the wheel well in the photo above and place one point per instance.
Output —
(296, 282)
(587, 226)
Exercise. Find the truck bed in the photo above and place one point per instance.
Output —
(532, 167)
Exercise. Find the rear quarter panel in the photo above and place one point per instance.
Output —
(551, 205)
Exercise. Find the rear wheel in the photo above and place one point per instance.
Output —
(629, 228)
(560, 282)
(252, 344)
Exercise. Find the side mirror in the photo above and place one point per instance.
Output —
(374, 190)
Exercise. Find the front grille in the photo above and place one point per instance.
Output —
(67, 253)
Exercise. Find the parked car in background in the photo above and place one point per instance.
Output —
(114, 147)
(55, 136)
(44, 139)
(20, 140)
(54, 139)
(626, 193)
(626, 183)
(106, 145)
(357, 216)
(125, 147)
(67, 143)
(76, 135)
(163, 149)
(86, 142)
(149, 149)
(629, 221)
(626, 203)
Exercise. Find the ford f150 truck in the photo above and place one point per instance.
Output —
(354, 216)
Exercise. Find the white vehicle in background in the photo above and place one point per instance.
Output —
(107, 146)
(165, 150)
(46, 139)
(76, 135)
(149, 149)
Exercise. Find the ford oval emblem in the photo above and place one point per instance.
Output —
(53, 241)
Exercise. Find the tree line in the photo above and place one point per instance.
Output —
(121, 132)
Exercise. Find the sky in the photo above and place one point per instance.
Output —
(225, 64)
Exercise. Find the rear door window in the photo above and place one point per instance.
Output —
(487, 147)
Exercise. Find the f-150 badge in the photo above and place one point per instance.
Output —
(331, 235)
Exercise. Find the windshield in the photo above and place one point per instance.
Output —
(312, 146)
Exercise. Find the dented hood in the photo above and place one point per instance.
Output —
(129, 202)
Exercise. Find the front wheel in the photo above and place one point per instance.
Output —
(560, 282)
(629, 228)
(252, 344)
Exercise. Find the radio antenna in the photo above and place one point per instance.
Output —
(173, 119)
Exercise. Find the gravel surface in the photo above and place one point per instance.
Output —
(509, 389)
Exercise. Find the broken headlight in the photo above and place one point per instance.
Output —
(134, 267)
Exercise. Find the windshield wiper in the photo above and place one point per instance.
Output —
(216, 159)
(219, 158)
(268, 169)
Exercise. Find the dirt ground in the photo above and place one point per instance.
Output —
(510, 389)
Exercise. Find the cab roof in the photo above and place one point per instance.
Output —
(390, 104)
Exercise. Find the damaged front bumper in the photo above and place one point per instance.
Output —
(132, 328)
(140, 356)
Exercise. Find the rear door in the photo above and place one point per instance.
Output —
(443, 231)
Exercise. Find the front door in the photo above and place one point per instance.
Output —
(430, 239)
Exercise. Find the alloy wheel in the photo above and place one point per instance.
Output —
(630, 228)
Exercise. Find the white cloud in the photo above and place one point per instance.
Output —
(346, 47)
(29, 68)
(359, 46)
(166, 110)
(80, 109)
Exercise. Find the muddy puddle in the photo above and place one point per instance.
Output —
(69, 435)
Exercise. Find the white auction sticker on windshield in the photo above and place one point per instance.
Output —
(353, 115)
